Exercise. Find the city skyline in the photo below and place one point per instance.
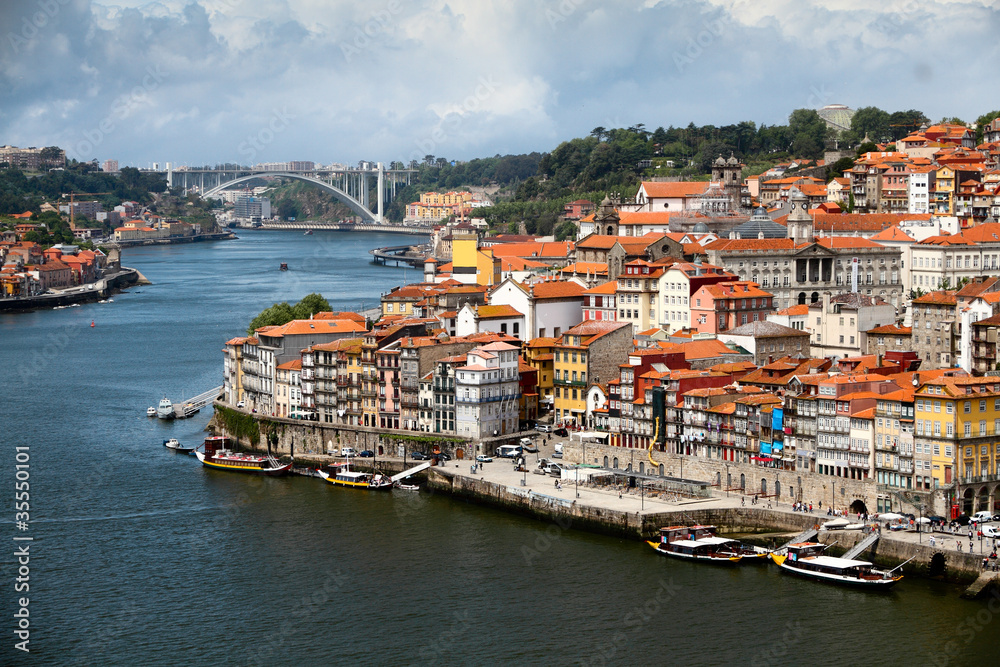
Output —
(247, 81)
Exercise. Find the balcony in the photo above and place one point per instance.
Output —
(979, 479)
(307, 374)
(307, 362)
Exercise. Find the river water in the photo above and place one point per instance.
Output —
(142, 557)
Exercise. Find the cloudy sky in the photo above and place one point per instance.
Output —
(331, 81)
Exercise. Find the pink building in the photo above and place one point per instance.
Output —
(387, 364)
(599, 303)
(726, 305)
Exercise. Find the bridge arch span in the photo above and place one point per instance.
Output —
(350, 201)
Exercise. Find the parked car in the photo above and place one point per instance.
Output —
(348, 452)
(543, 428)
(561, 432)
(443, 457)
(482, 458)
(241, 404)
(991, 531)
(418, 456)
(982, 517)
(530, 448)
(366, 454)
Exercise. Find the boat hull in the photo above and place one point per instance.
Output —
(719, 560)
(245, 469)
(840, 580)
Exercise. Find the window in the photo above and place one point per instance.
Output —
(982, 405)
(967, 407)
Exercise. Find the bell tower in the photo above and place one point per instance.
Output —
(800, 223)
(606, 219)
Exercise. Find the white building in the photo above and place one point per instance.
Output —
(675, 287)
(425, 398)
(549, 307)
(487, 392)
(919, 189)
(473, 319)
(840, 323)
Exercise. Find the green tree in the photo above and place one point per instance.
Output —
(982, 122)
(310, 305)
(276, 315)
(871, 121)
(838, 168)
(902, 123)
(809, 133)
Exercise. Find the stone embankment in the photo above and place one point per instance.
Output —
(106, 286)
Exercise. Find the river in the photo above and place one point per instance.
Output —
(142, 557)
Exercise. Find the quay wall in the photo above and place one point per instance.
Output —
(102, 288)
(793, 486)
(927, 561)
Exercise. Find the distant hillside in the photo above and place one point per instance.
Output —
(303, 201)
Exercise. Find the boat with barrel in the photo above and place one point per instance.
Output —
(700, 543)
(217, 455)
(355, 479)
(807, 559)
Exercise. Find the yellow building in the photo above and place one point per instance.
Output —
(539, 353)
(472, 264)
(589, 352)
(435, 206)
(958, 420)
(944, 191)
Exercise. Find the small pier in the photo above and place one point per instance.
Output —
(191, 406)
(400, 254)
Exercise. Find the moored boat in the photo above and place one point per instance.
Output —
(175, 445)
(357, 480)
(151, 411)
(698, 543)
(407, 487)
(806, 559)
(165, 409)
(217, 455)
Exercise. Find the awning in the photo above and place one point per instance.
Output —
(761, 458)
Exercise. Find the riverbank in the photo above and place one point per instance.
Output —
(101, 289)
(173, 240)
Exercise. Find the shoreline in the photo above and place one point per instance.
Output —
(604, 512)
(213, 236)
(107, 285)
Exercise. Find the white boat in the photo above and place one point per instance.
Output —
(835, 524)
(151, 411)
(855, 526)
(407, 487)
(165, 409)
(806, 559)
(176, 446)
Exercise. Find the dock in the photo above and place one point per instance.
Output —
(190, 407)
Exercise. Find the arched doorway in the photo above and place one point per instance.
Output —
(859, 507)
(763, 486)
(777, 489)
(642, 468)
(802, 298)
(381, 451)
(718, 479)
(661, 470)
(605, 461)
(814, 297)
(967, 502)
(729, 480)
(459, 453)
(615, 463)
(743, 482)
(984, 499)
(937, 565)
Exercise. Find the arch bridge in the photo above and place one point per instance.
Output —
(351, 186)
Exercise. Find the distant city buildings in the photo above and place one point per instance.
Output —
(32, 159)
(110, 166)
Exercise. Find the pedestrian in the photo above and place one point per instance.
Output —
(811, 506)
(932, 540)
(743, 501)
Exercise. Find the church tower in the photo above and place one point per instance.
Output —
(730, 174)
(606, 219)
(800, 223)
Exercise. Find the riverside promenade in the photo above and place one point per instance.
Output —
(636, 514)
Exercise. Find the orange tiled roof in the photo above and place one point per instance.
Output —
(660, 190)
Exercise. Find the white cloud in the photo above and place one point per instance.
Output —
(390, 78)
